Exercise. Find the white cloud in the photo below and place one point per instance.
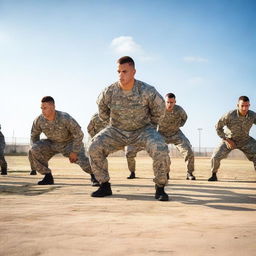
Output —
(195, 80)
(191, 59)
(125, 45)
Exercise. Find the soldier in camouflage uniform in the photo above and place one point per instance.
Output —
(96, 125)
(129, 106)
(233, 128)
(3, 163)
(64, 135)
(130, 153)
(169, 127)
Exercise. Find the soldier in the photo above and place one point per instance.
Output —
(2, 159)
(64, 135)
(96, 125)
(169, 127)
(129, 106)
(237, 124)
(130, 153)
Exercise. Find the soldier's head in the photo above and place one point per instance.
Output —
(48, 107)
(243, 105)
(126, 70)
(170, 101)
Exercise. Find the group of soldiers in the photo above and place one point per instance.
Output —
(133, 116)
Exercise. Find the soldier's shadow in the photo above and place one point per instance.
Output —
(213, 196)
(27, 186)
(222, 197)
(26, 189)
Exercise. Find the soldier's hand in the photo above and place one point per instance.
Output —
(73, 157)
(230, 144)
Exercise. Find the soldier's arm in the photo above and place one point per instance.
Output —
(219, 127)
(35, 132)
(184, 117)
(104, 111)
(157, 107)
(220, 131)
(254, 118)
(77, 134)
(90, 128)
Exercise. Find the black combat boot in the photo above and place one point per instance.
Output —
(132, 176)
(4, 171)
(160, 194)
(103, 190)
(190, 176)
(33, 172)
(47, 180)
(214, 177)
(95, 183)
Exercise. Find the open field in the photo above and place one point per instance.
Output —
(202, 218)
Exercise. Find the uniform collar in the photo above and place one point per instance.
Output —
(238, 114)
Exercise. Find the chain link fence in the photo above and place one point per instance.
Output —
(20, 146)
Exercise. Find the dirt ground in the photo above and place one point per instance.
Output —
(202, 218)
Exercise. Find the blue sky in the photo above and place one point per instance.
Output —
(203, 51)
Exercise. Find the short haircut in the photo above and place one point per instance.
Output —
(48, 99)
(126, 59)
(170, 95)
(243, 98)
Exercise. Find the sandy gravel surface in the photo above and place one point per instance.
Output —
(202, 218)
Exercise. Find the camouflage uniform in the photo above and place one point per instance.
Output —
(169, 128)
(96, 125)
(239, 128)
(130, 114)
(3, 163)
(130, 153)
(64, 135)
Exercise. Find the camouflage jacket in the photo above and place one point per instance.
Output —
(238, 126)
(171, 122)
(132, 110)
(2, 140)
(63, 129)
(96, 125)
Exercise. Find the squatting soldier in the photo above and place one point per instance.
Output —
(3, 163)
(233, 128)
(169, 127)
(64, 135)
(96, 125)
(129, 106)
(131, 153)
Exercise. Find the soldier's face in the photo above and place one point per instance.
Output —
(126, 73)
(169, 103)
(243, 107)
(48, 110)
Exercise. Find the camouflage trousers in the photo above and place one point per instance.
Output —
(130, 153)
(184, 147)
(112, 139)
(3, 163)
(43, 150)
(249, 149)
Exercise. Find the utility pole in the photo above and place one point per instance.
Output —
(199, 135)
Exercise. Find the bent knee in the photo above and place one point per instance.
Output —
(34, 149)
(94, 147)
